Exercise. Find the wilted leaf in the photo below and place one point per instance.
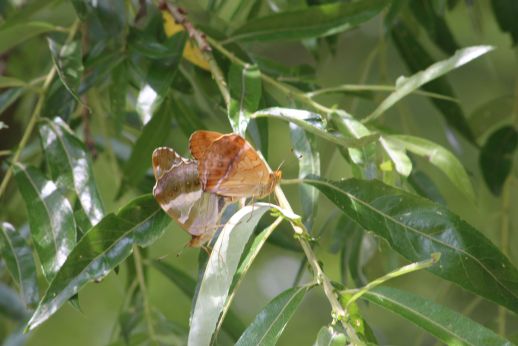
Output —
(449, 326)
(51, 218)
(70, 166)
(311, 22)
(18, 257)
(269, 324)
(416, 228)
(100, 250)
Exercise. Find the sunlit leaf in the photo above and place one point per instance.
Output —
(314, 21)
(69, 64)
(441, 158)
(70, 165)
(496, 157)
(245, 92)
(449, 326)
(312, 123)
(12, 35)
(100, 250)
(416, 228)
(220, 269)
(51, 218)
(405, 85)
(397, 155)
(18, 257)
(269, 324)
(419, 60)
(305, 149)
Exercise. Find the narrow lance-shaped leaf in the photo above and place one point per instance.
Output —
(69, 64)
(311, 22)
(418, 59)
(232, 325)
(269, 324)
(12, 35)
(328, 336)
(446, 325)
(406, 85)
(18, 257)
(440, 158)
(220, 270)
(153, 135)
(416, 228)
(496, 157)
(51, 218)
(100, 250)
(313, 123)
(304, 147)
(70, 166)
(397, 155)
(245, 92)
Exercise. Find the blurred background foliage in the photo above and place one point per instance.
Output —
(125, 85)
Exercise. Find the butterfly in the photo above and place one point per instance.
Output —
(179, 193)
(229, 166)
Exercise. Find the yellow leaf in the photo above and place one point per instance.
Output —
(190, 52)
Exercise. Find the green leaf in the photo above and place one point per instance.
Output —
(141, 222)
(305, 148)
(311, 22)
(397, 155)
(245, 92)
(118, 92)
(313, 123)
(328, 336)
(406, 85)
(9, 82)
(446, 325)
(13, 35)
(491, 115)
(10, 304)
(69, 64)
(418, 59)
(220, 269)
(8, 97)
(441, 158)
(51, 218)
(425, 187)
(416, 228)
(153, 135)
(496, 157)
(232, 325)
(70, 165)
(506, 12)
(19, 261)
(269, 324)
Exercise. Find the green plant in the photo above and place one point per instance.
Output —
(109, 85)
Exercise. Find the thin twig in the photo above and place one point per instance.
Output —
(35, 114)
(142, 284)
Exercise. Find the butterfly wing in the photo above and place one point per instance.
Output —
(232, 168)
(200, 141)
(179, 194)
(164, 159)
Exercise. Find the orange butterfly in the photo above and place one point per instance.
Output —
(229, 166)
(178, 192)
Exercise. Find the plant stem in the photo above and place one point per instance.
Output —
(394, 274)
(338, 310)
(35, 114)
(142, 284)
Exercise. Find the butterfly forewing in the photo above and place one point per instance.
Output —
(200, 141)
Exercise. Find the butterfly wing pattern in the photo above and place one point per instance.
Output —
(231, 167)
(178, 192)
